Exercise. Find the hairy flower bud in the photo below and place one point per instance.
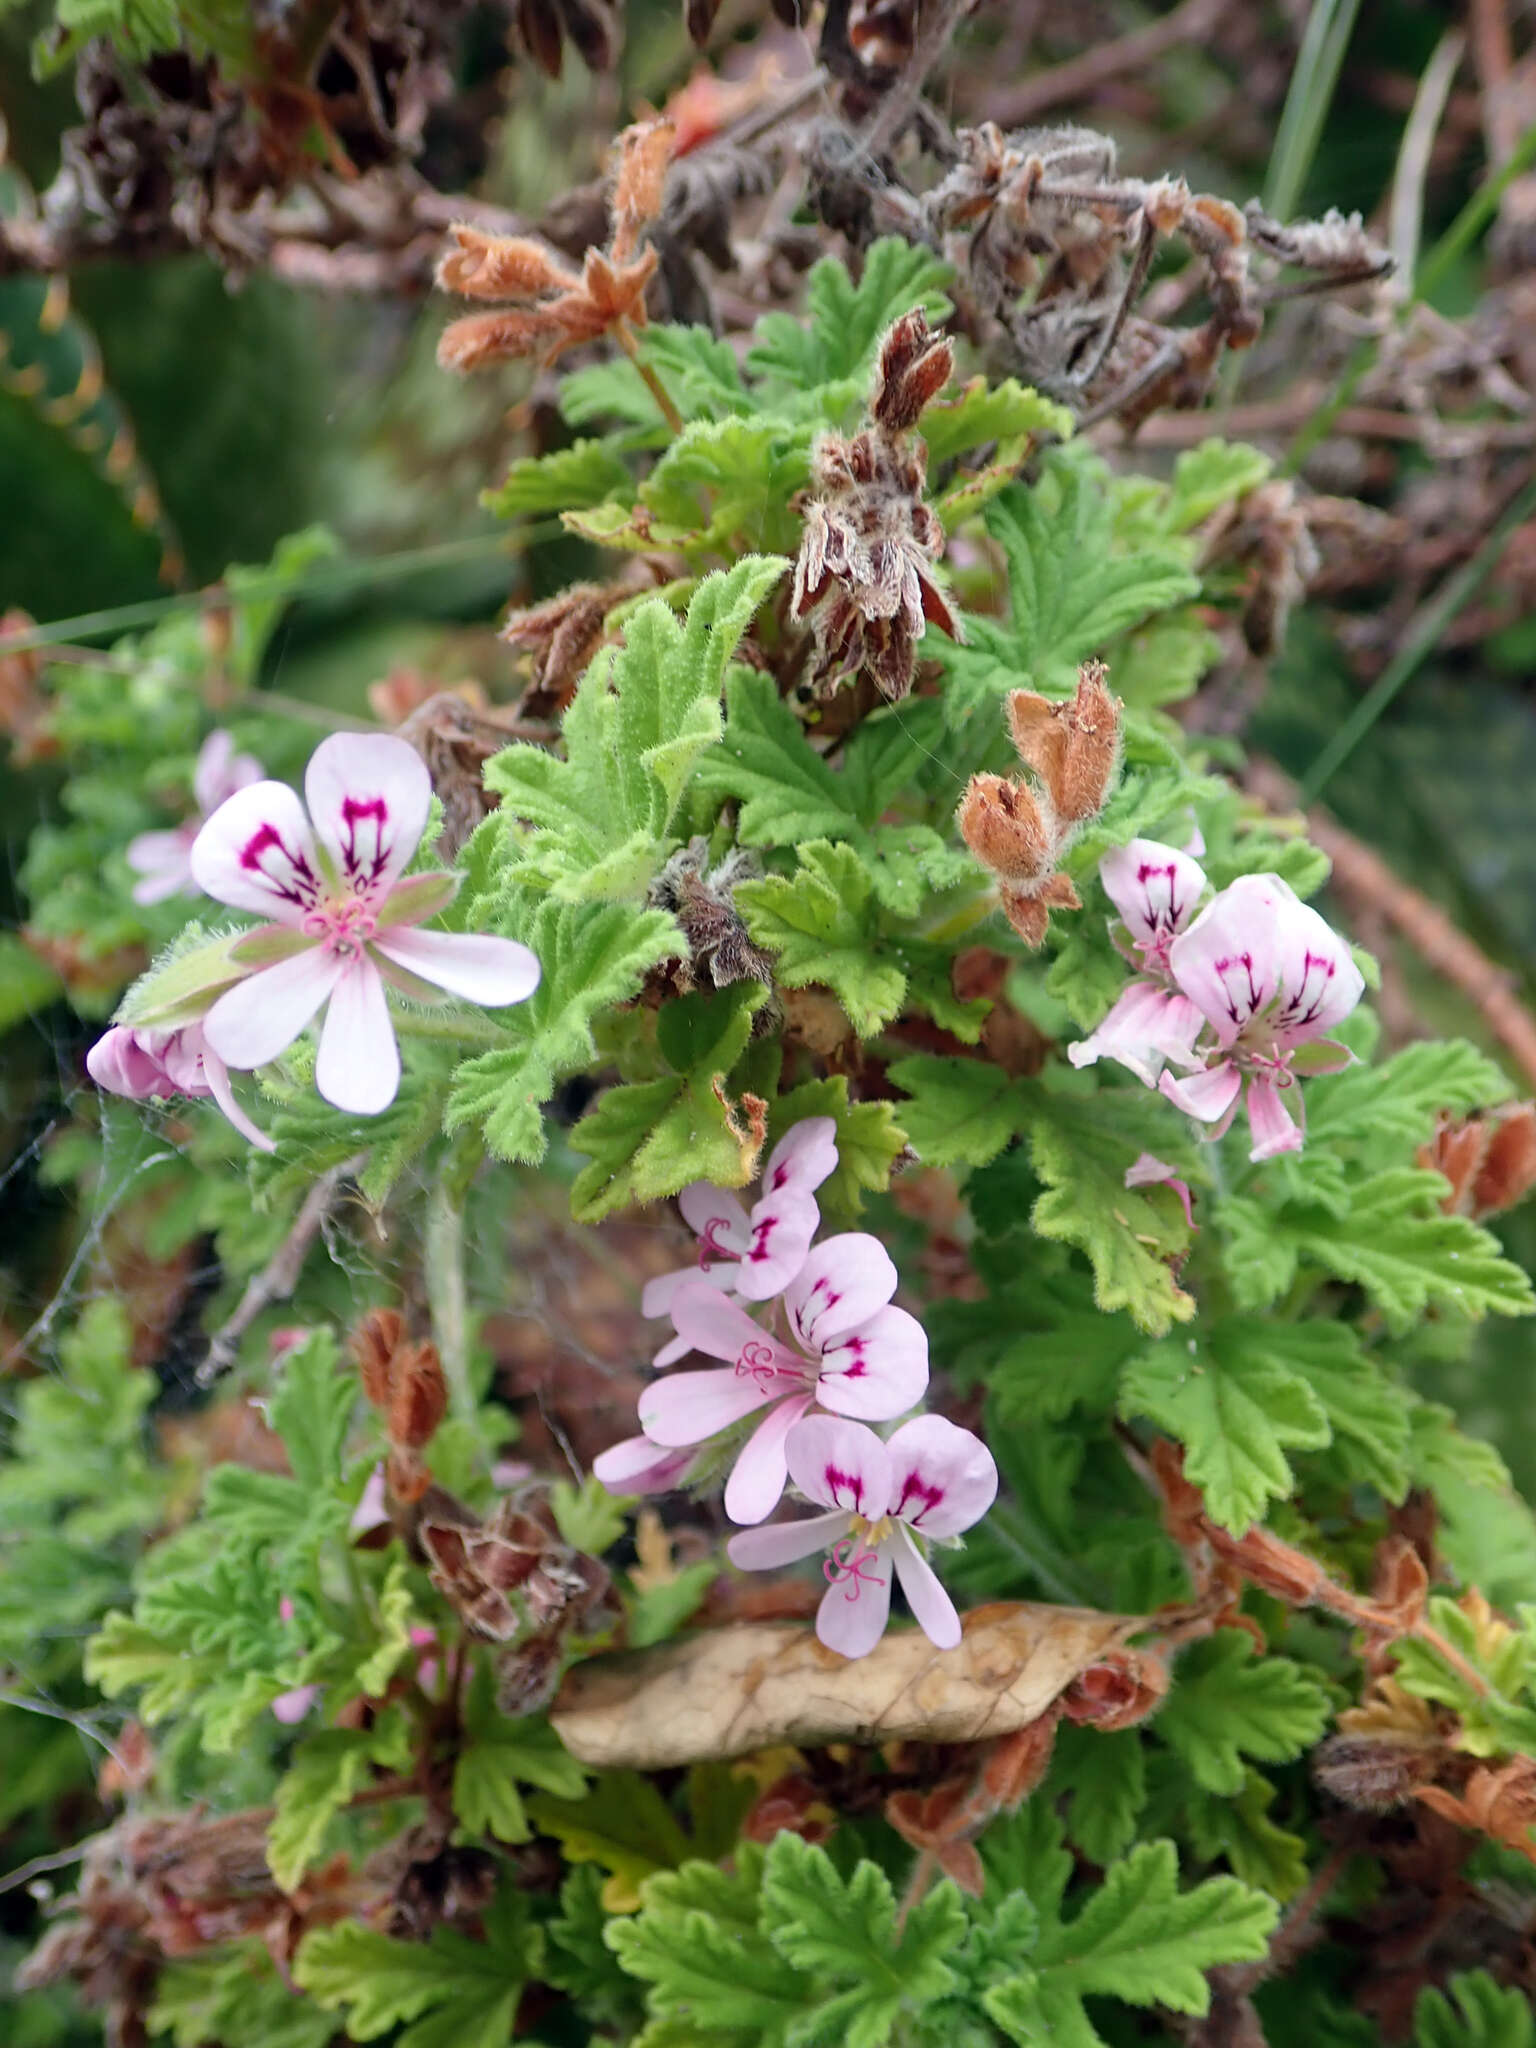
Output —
(915, 364)
(404, 1380)
(1073, 747)
(1004, 826)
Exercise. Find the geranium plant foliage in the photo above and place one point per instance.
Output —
(1041, 1241)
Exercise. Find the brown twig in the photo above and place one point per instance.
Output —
(1361, 872)
(280, 1275)
(1080, 77)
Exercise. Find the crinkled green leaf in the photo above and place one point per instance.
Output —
(1260, 1852)
(641, 716)
(1081, 1147)
(459, 1993)
(500, 1754)
(1236, 1408)
(236, 1998)
(1226, 1703)
(834, 1928)
(836, 337)
(1473, 2012)
(593, 956)
(586, 473)
(326, 1770)
(961, 1112)
(820, 924)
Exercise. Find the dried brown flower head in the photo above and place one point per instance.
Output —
(865, 570)
(559, 309)
(1073, 747)
(1497, 1802)
(701, 899)
(562, 634)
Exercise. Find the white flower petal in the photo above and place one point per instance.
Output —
(760, 1550)
(932, 1608)
(358, 1065)
(261, 1016)
(257, 853)
(369, 794)
(942, 1477)
(485, 970)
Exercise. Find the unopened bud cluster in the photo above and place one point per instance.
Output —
(1021, 828)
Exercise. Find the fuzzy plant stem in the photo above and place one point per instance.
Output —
(653, 384)
(448, 1294)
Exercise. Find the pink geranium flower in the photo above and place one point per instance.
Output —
(1269, 977)
(1155, 888)
(756, 1255)
(343, 921)
(145, 1064)
(164, 859)
(883, 1499)
(638, 1466)
(848, 1350)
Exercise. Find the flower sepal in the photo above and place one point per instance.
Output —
(1322, 1056)
(184, 983)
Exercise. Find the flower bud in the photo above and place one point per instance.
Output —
(1002, 824)
(1073, 747)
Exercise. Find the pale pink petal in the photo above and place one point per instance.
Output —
(1131, 1032)
(164, 859)
(761, 1550)
(721, 1328)
(687, 1407)
(658, 1295)
(877, 1371)
(1229, 961)
(857, 1603)
(261, 1016)
(782, 1228)
(121, 1063)
(716, 1216)
(257, 853)
(1154, 887)
(291, 1707)
(942, 1477)
(372, 1510)
(841, 1284)
(803, 1157)
(220, 771)
(1319, 981)
(217, 1076)
(369, 795)
(932, 1608)
(1269, 1120)
(840, 1464)
(1208, 1096)
(1149, 1171)
(638, 1466)
(757, 1479)
(490, 971)
(358, 1065)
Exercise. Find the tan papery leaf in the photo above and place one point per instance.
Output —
(728, 1691)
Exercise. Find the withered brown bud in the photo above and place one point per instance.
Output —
(642, 154)
(1489, 1160)
(915, 364)
(404, 1380)
(1002, 824)
(1121, 1689)
(562, 635)
(1370, 1775)
(484, 266)
(1029, 910)
(1071, 746)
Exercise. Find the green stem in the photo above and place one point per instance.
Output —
(1313, 84)
(443, 1252)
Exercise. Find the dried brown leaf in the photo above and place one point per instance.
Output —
(728, 1691)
